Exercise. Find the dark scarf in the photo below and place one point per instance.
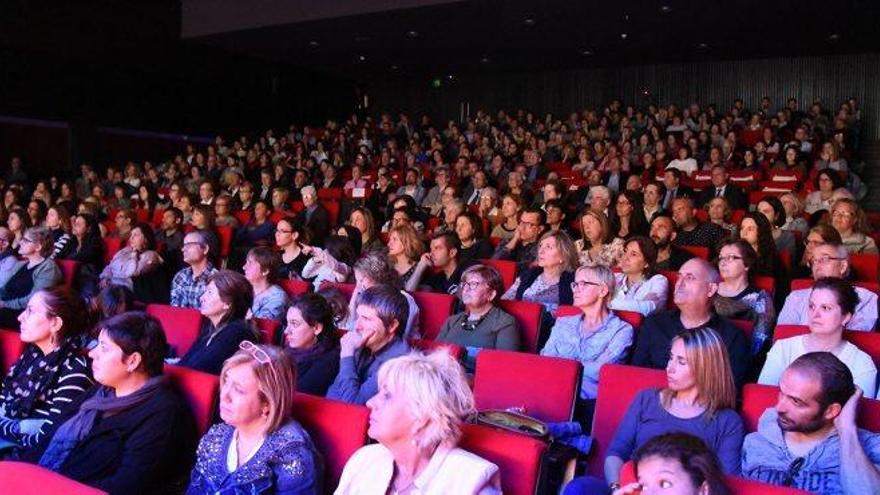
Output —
(306, 354)
(32, 374)
(104, 402)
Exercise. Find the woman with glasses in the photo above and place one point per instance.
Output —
(832, 305)
(134, 260)
(289, 238)
(630, 219)
(548, 283)
(257, 448)
(416, 420)
(595, 336)
(482, 324)
(52, 371)
(225, 304)
(313, 342)
(699, 399)
(850, 221)
(820, 234)
(33, 273)
(826, 182)
(737, 298)
(637, 287)
(223, 212)
(131, 433)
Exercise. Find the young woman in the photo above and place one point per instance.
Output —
(772, 208)
(596, 245)
(332, 263)
(630, 219)
(699, 399)
(474, 246)
(313, 343)
(58, 222)
(511, 205)
(259, 231)
(17, 221)
(289, 238)
(637, 287)
(404, 250)
(134, 260)
(362, 219)
(755, 229)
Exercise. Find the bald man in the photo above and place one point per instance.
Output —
(697, 283)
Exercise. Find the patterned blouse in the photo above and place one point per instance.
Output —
(751, 304)
(609, 255)
(286, 463)
(539, 292)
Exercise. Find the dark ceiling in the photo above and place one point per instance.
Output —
(491, 36)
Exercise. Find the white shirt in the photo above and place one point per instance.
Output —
(785, 351)
(688, 165)
(645, 297)
(794, 312)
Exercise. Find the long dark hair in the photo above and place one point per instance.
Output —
(696, 459)
(766, 264)
(638, 223)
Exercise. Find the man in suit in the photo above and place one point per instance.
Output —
(314, 217)
(721, 187)
(674, 189)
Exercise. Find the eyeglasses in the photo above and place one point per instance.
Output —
(25, 239)
(282, 231)
(821, 260)
(582, 284)
(842, 214)
(793, 470)
(729, 258)
(255, 351)
(474, 285)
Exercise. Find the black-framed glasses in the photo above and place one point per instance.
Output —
(582, 284)
(729, 258)
(793, 470)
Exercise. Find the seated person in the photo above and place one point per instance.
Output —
(312, 341)
(405, 247)
(260, 268)
(376, 338)
(333, 262)
(637, 288)
(697, 284)
(850, 221)
(597, 244)
(170, 236)
(830, 260)
(816, 236)
(30, 275)
(439, 270)
(699, 399)
(474, 245)
(131, 433)
(594, 337)
(258, 231)
(523, 246)
(737, 298)
(134, 260)
(663, 233)
(373, 269)
(691, 231)
(813, 428)
(289, 239)
(549, 283)
(51, 372)
(482, 324)
(416, 418)
(189, 284)
(832, 304)
(225, 303)
(257, 448)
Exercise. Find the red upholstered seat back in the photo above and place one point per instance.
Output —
(337, 429)
(181, 325)
(434, 309)
(69, 269)
(346, 289)
(737, 485)
(294, 287)
(11, 347)
(545, 386)
(758, 398)
(618, 385)
(22, 478)
(518, 457)
(506, 268)
(865, 266)
(201, 391)
(867, 342)
(528, 319)
(698, 251)
(269, 330)
(224, 235)
(111, 246)
(456, 351)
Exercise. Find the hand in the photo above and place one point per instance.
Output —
(511, 244)
(630, 489)
(30, 426)
(349, 343)
(306, 249)
(847, 417)
(426, 259)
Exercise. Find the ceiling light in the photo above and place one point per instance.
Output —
(587, 53)
(362, 58)
(450, 77)
(394, 67)
(313, 44)
(529, 21)
(484, 60)
(703, 46)
(665, 9)
(834, 37)
(412, 34)
(624, 36)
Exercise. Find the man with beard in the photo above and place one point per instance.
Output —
(663, 233)
(697, 283)
(810, 440)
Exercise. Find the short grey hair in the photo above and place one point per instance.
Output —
(389, 303)
(604, 275)
(376, 267)
(310, 190)
(711, 272)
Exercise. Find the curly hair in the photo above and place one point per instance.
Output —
(766, 264)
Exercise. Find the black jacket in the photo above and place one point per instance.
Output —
(209, 357)
(316, 372)
(318, 224)
(735, 197)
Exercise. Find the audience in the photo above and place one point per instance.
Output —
(405, 248)
(755, 229)
(773, 210)
(257, 447)
(597, 244)
(290, 240)
(312, 342)
(816, 236)
(189, 284)
(416, 413)
(28, 276)
(332, 264)
(664, 233)
(260, 267)
(637, 288)
(810, 440)
(260, 230)
(377, 337)
(474, 245)
(691, 231)
(822, 197)
(850, 221)
(523, 246)
(440, 269)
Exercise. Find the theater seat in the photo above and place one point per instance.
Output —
(181, 325)
(737, 485)
(295, 287)
(867, 342)
(506, 268)
(270, 330)
(201, 391)
(747, 327)
(224, 236)
(69, 270)
(758, 398)
(434, 310)
(634, 318)
(456, 351)
(337, 429)
(346, 289)
(528, 319)
(518, 457)
(547, 387)
(865, 266)
(111, 246)
(618, 385)
(11, 348)
(765, 283)
(806, 283)
(21, 478)
(698, 251)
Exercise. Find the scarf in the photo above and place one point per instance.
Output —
(308, 353)
(31, 376)
(105, 402)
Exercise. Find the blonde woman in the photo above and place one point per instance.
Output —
(257, 447)
(596, 245)
(404, 250)
(511, 205)
(699, 399)
(416, 419)
(850, 221)
(548, 283)
(794, 209)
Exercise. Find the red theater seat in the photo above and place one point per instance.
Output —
(737, 485)
(346, 289)
(201, 391)
(181, 325)
(456, 351)
(23, 478)
(806, 283)
(224, 235)
(69, 269)
(747, 326)
(506, 268)
(11, 348)
(338, 430)
(111, 246)
(767, 284)
(528, 319)
(518, 457)
(618, 385)
(698, 251)
(434, 309)
(270, 330)
(867, 342)
(547, 387)
(295, 287)
(758, 398)
(865, 266)
(632, 317)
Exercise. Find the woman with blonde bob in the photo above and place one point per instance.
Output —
(548, 283)
(257, 447)
(416, 417)
(699, 399)
(404, 250)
